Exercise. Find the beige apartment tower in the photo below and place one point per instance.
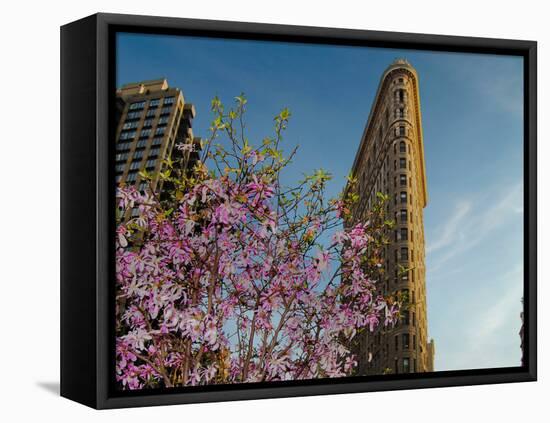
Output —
(390, 160)
(153, 119)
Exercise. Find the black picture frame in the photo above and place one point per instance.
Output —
(87, 198)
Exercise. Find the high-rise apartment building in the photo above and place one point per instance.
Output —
(390, 160)
(152, 119)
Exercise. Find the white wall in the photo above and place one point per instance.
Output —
(29, 282)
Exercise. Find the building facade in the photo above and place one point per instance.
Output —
(152, 119)
(390, 160)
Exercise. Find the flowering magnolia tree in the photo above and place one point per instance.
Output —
(224, 277)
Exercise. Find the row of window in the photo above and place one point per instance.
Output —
(405, 342)
(402, 164)
(136, 166)
(147, 123)
(124, 148)
(133, 115)
(406, 365)
(402, 234)
(400, 131)
(403, 216)
(403, 254)
(402, 197)
(401, 95)
(145, 133)
(152, 103)
(166, 110)
(121, 158)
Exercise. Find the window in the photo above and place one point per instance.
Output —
(401, 132)
(163, 120)
(404, 234)
(401, 112)
(407, 318)
(123, 146)
(414, 365)
(132, 176)
(165, 110)
(143, 186)
(130, 125)
(411, 214)
(120, 167)
(404, 253)
(154, 103)
(133, 115)
(141, 143)
(414, 342)
(403, 197)
(403, 180)
(414, 318)
(148, 123)
(402, 163)
(157, 141)
(396, 342)
(401, 95)
(138, 154)
(160, 131)
(118, 178)
(396, 367)
(403, 215)
(138, 105)
(128, 135)
(402, 147)
(151, 163)
(154, 152)
(410, 199)
(151, 113)
(135, 165)
(406, 365)
(406, 340)
(145, 133)
(121, 157)
(169, 100)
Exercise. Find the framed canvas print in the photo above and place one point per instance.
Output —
(256, 211)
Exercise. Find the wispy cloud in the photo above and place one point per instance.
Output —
(485, 335)
(470, 222)
(450, 231)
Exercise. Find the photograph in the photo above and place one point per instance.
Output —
(293, 211)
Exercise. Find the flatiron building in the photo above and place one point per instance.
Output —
(390, 160)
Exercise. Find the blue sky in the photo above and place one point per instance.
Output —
(472, 109)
